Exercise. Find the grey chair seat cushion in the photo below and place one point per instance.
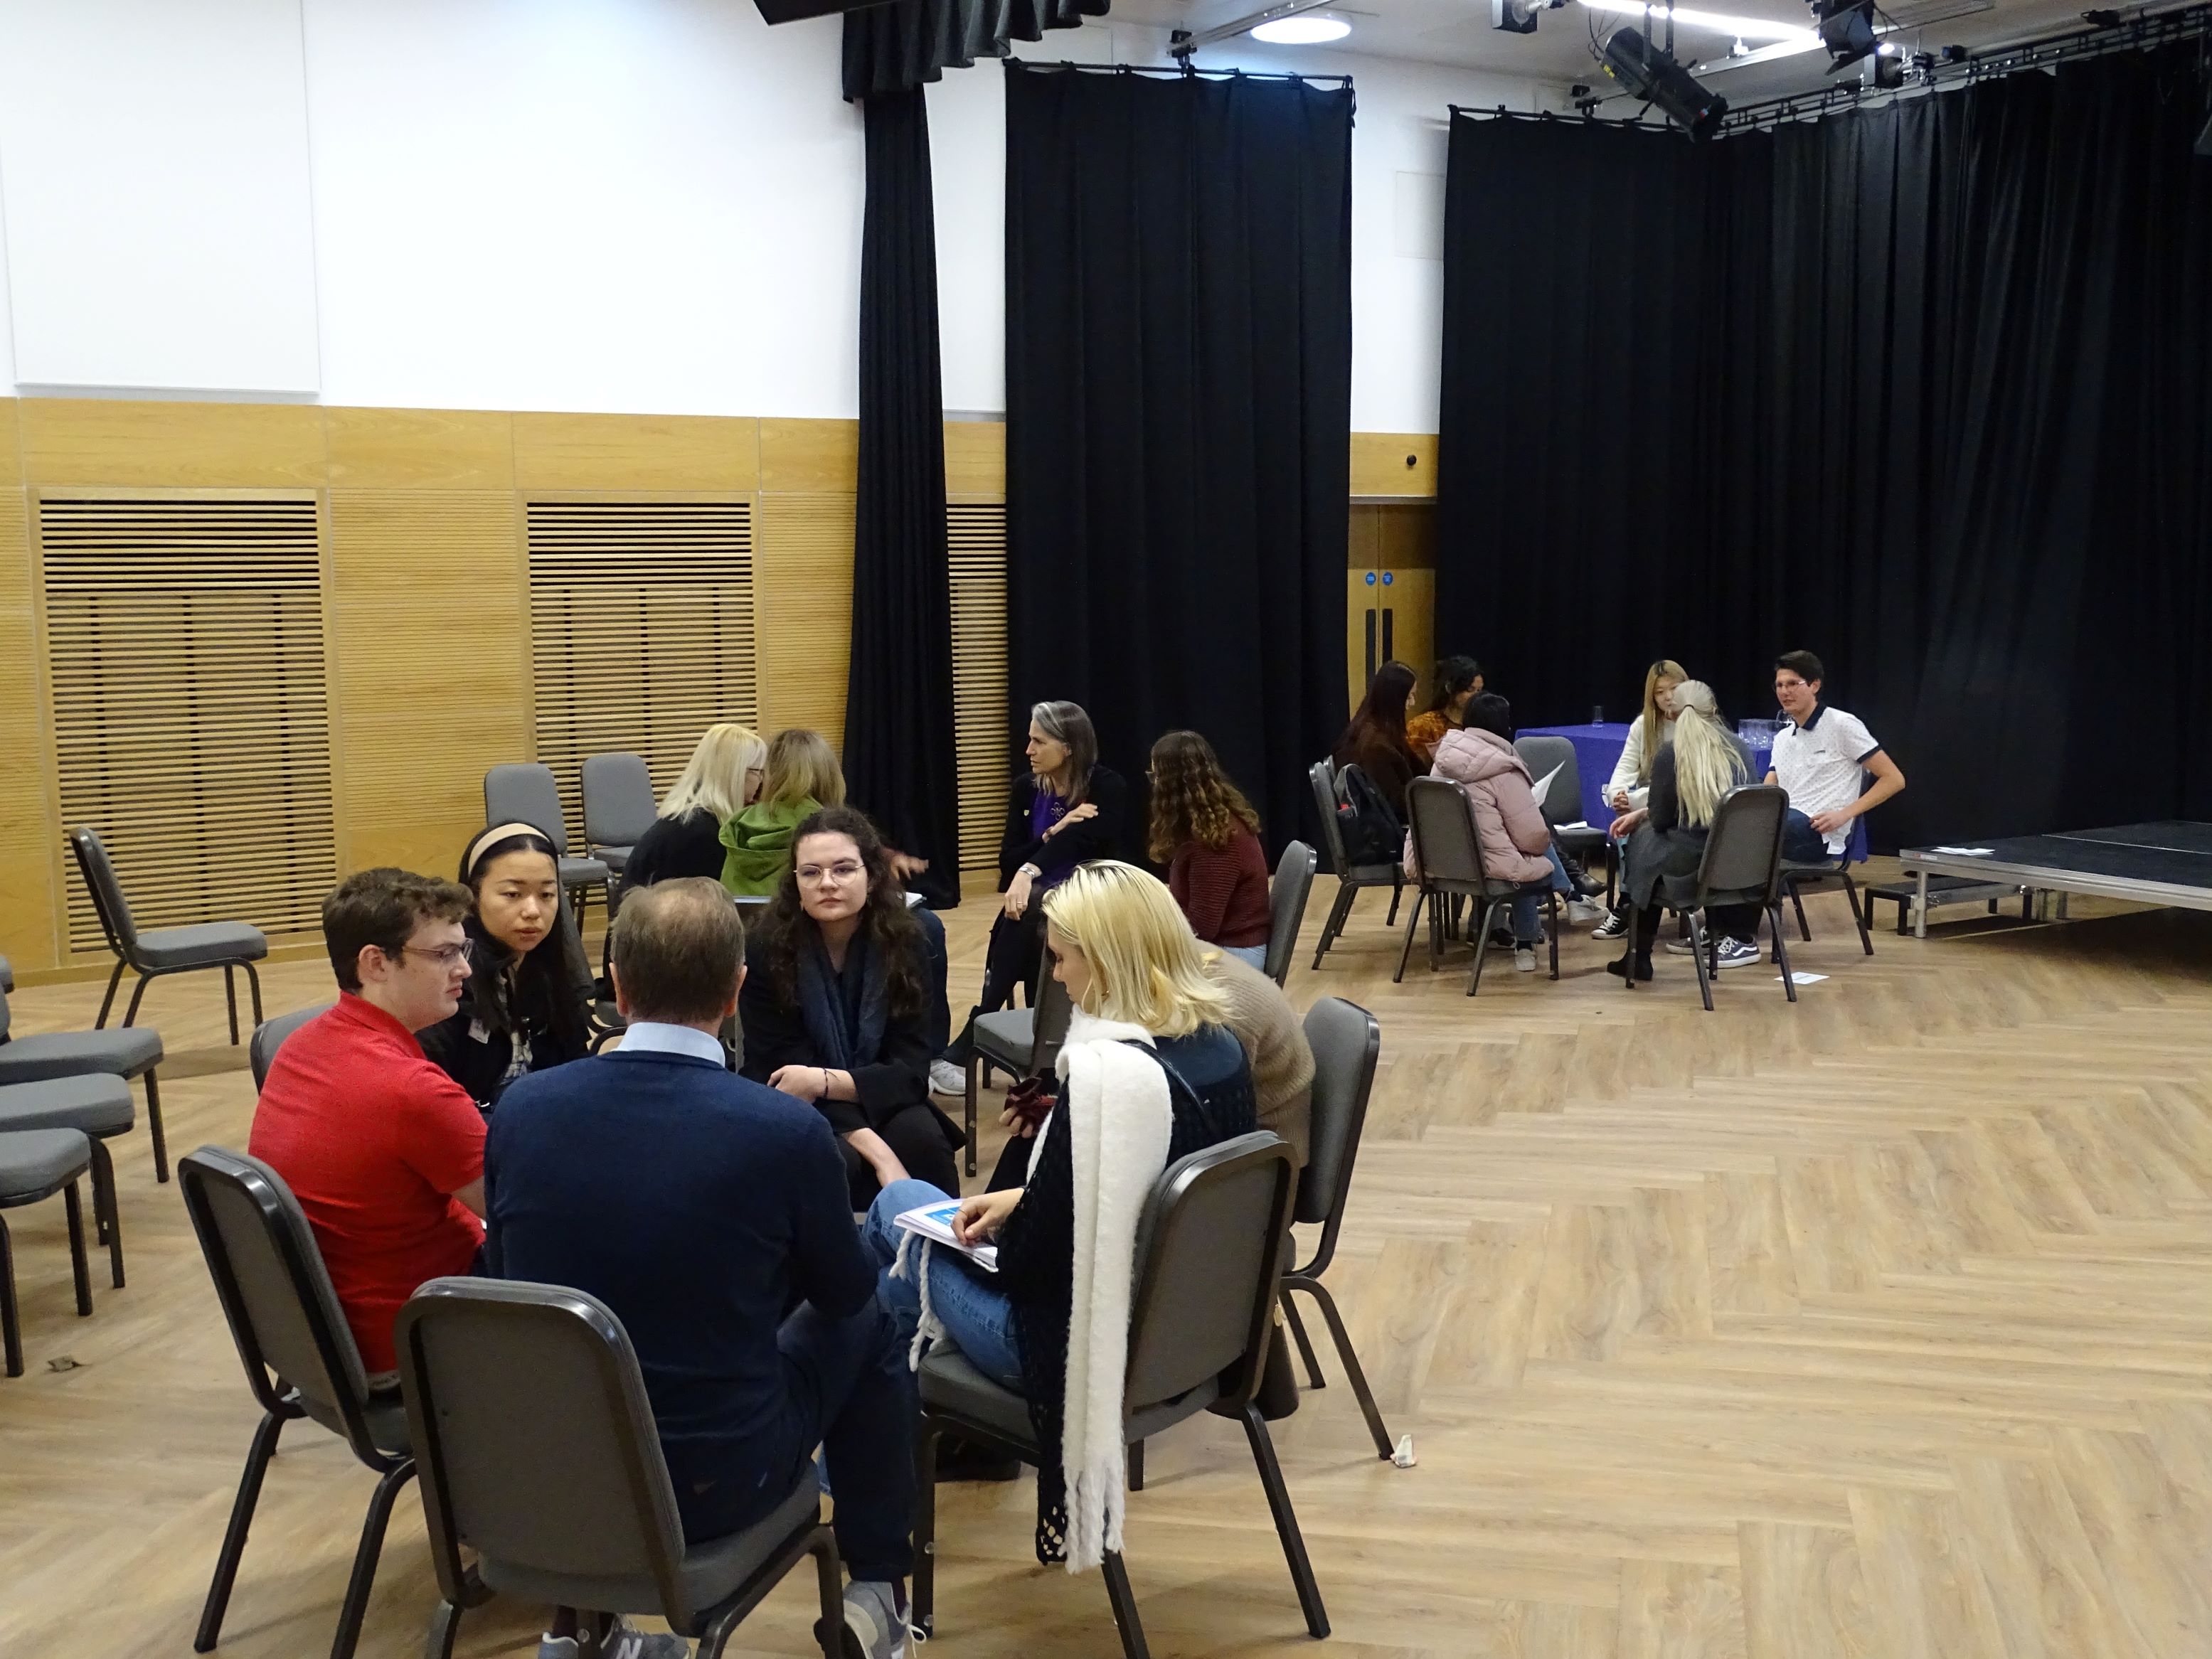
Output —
(204, 945)
(1009, 1036)
(1371, 875)
(615, 858)
(124, 1052)
(1803, 867)
(949, 1384)
(387, 1420)
(582, 872)
(97, 1104)
(712, 1571)
(1680, 892)
(34, 1161)
(1585, 836)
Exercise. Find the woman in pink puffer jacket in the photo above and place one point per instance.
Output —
(1516, 843)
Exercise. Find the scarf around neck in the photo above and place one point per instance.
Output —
(843, 1037)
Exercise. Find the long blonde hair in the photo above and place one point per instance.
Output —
(715, 777)
(1145, 966)
(1707, 762)
(1656, 719)
(802, 766)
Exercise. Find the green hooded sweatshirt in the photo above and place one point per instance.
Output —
(759, 839)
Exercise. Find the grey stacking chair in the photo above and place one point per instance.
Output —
(35, 1164)
(1349, 878)
(299, 1361)
(1209, 1263)
(270, 1036)
(1743, 865)
(228, 946)
(1449, 852)
(539, 1453)
(1022, 1041)
(132, 1052)
(1345, 1042)
(1563, 802)
(1797, 875)
(1287, 892)
(98, 1107)
(618, 806)
(527, 793)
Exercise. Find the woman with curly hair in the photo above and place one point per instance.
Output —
(1207, 835)
(836, 1006)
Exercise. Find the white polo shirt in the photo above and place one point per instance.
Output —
(1820, 764)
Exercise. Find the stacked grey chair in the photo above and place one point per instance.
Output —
(35, 1164)
(618, 806)
(79, 1080)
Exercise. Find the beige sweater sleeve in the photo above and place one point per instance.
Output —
(1274, 1044)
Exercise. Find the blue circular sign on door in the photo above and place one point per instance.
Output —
(1371, 579)
(1386, 579)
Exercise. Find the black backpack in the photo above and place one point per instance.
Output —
(1370, 829)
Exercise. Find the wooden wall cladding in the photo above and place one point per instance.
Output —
(803, 584)
(975, 538)
(637, 452)
(1379, 464)
(104, 443)
(30, 840)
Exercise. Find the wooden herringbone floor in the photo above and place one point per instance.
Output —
(1879, 1326)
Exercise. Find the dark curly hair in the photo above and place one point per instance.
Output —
(1193, 798)
(891, 929)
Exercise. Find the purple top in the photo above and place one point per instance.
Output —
(1046, 809)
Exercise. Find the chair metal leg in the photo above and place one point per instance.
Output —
(1136, 1455)
(1337, 912)
(1481, 941)
(1782, 955)
(1862, 917)
(80, 1269)
(107, 1002)
(1124, 1600)
(108, 1214)
(1635, 933)
(1804, 927)
(1698, 955)
(154, 1127)
(973, 1068)
(829, 1592)
(230, 999)
(1314, 1378)
(1421, 900)
(11, 1338)
(1349, 1358)
(1287, 1523)
(1551, 916)
(924, 1604)
(234, 1538)
(252, 984)
(1397, 892)
(364, 1559)
(137, 995)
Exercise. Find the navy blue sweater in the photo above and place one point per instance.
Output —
(697, 1205)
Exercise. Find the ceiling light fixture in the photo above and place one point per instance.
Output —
(1744, 28)
(1307, 29)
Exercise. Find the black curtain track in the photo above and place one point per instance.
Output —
(1178, 397)
(899, 743)
(1926, 390)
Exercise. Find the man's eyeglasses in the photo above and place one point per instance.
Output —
(814, 874)
(445, 955)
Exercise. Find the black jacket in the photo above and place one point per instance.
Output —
(689, 844)
(1093, 838)
(476, 1057)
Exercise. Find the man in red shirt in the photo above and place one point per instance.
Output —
(382, 1150)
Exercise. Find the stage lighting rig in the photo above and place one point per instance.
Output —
(1651, 73)
(1846, 30)
(1519, 17)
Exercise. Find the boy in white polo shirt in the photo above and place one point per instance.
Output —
(1819, 757)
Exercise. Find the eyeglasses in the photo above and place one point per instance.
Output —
(445, 955)
(814, 874)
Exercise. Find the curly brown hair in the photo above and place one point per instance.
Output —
(891, 929)
(1193, 798)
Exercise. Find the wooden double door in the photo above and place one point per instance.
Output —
(1391, 591)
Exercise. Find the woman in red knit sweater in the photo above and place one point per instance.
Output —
(1207, 835)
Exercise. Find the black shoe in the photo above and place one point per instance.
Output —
(1619, 967)
(963, 1460)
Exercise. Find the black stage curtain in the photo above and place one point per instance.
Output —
(893, 48)
(1926, 390)
(1178, 393)
(899, 742)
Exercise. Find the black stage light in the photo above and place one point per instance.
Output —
(1846, 30)
(1650, 73)
(1885, 70)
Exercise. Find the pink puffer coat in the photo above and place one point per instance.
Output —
(1507, 820)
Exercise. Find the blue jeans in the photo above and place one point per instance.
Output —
(1801, 842)
(1530, 901)
(975, 1313)
(1252, 956)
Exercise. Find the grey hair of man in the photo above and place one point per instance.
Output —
(679, 952)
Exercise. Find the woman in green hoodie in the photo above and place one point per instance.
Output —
(803, 778)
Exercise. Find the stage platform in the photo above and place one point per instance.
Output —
(2164, 863)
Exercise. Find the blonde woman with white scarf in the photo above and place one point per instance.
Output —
(1150, 1072)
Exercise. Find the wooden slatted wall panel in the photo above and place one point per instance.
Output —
(27, 841)
(641, 632)
(805, 611)
(427, 642)
(976, 534)
(191, 705)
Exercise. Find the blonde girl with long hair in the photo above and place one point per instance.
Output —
(1691, 773)
(717, 783)
(1648, 732)
(1149, 1073)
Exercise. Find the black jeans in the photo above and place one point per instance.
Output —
(916, 1135)
(1725, 920)
(1016, 953)
(846, 1388)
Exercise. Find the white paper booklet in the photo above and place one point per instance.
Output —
(934, 1223)
(1544, 784)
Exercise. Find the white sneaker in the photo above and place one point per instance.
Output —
(947, 1078)
(621, 1643)
(873, 1629)
(1681, 947)
(1739, 953)
(1582, 909)
(1615, 925)
(1524, 958)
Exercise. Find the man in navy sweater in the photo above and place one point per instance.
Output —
(699, 1207)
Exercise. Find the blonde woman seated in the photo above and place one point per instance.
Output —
(1700, 763)
(1630, 786)
(719, 782)
(1149, 1073)
(802, 777)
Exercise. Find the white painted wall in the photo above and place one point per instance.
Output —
(654, 205)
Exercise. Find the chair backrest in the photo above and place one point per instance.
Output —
(1049, 1025)
(270, 1036)
(1445, 844)
(1209, 1258)
(1345, 1042)
(1322, 776)
(1563, 801)
(1286, 908)
(1743, 847)
(619, 803)
(107, 900)
(269, 1273)
(525, 791)
(533, 1438)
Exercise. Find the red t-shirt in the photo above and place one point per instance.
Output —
(373, 1138)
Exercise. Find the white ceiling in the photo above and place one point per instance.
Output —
(1458, 33)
